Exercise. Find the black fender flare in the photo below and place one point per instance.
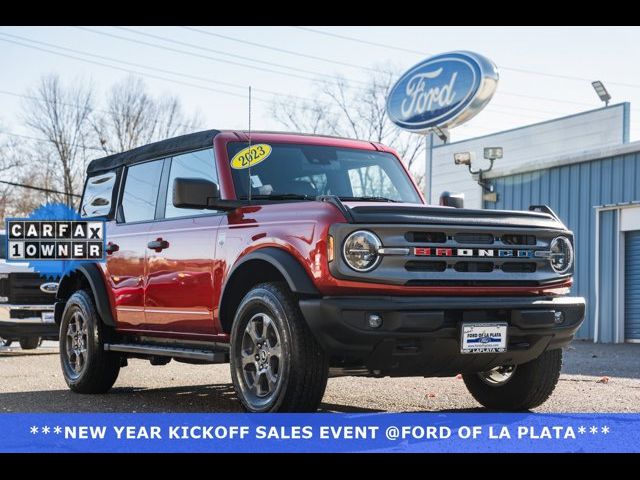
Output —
(288, 266)
(91, 272)
(285, 263)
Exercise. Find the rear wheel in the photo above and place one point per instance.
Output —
(276, 363)
(87, 368)
(30, 343)
(514, 388)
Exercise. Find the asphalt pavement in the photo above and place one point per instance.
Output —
(595, 378)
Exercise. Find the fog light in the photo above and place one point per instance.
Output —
(558, 317)
(374, 320)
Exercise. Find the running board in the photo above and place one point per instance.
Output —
(177, 352)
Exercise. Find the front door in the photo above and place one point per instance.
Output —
(180, 258)
(127, 243)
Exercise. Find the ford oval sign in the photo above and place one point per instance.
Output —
(442, 91)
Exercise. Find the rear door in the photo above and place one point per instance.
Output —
(127, 242)
(180, 292)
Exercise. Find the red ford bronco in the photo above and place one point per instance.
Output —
(294, 256)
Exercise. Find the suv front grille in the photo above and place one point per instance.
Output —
(519, 267)
(425, 237)
(515, 239)
(479, 238)
(4, 285)
(473, 266)
(425, 266)
(24, 289)
(455, 255)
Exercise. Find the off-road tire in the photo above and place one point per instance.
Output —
(100, 368)
(29, 343)
(304, 367)
(530, 385)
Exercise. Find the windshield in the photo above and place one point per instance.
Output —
(289, 171)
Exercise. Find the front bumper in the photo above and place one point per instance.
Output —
(421, 335)
(19, 321)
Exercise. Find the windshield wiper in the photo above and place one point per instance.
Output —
(281, 196)
(368, 199)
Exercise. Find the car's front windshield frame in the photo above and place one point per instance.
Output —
(326, 170)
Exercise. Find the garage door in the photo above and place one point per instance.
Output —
(632, 286)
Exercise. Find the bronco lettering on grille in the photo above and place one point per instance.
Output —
(472, 252)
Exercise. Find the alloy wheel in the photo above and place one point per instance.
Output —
(76, 341)
(498, 376)
(261, 359)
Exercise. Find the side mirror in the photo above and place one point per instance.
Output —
(201, 194)
(195, 193)
(448, 199)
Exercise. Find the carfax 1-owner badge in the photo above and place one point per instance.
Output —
(54, 240)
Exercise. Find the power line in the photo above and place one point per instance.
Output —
(359, 40)
(275, 49)
(208, 57)
(233, 85)
(196, 77)
(409, 50)
(110, 59)
(162, 47)
(47, 190)
(127, 70)
(203, 79)
(248, 66)
(44, 140)
(207, 49)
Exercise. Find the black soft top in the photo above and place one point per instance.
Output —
(191, 141)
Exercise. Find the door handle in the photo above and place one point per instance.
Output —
(158, 244)
(112, 248)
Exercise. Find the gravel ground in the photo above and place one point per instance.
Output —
(595, 378)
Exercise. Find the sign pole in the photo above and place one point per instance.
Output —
(428, 166)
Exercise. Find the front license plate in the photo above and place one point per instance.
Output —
(484, 338)
(47, 317)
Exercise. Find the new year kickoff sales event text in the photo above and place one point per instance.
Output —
(321, 432)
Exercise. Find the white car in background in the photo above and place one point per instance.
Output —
(26, 304)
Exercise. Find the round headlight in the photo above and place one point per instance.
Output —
(561, 254)
(360, 250)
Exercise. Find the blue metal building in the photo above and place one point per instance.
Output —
(585, 169)
(599, 199)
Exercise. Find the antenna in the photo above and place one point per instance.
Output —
(249, 152)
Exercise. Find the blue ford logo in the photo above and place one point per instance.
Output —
(442, 91)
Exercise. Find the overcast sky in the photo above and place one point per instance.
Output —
(545, 72)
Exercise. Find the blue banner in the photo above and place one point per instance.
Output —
(424, 432)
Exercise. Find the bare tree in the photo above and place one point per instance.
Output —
(12, 163)
(62, 115)
(133, 117)
(338, 108)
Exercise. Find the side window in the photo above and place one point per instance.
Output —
(372, 181)
(98, 195)
(200, 164)
(141, 191)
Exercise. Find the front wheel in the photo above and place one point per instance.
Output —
(87, 368)
(276, 363)
(5, 342)
(516, 388)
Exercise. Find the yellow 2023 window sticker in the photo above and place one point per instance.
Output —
(250, 156)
